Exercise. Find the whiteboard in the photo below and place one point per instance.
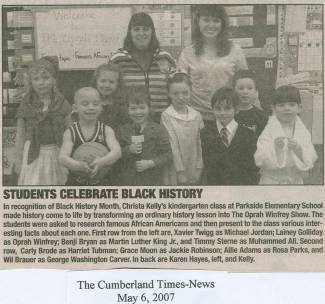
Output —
(82, 38)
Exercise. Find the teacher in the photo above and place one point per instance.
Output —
(143, 63)
(212, 59)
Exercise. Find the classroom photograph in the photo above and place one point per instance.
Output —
(162, 95)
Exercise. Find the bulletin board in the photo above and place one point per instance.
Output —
(300, 61)
(78, 36)
(300, 44)
(172, 24)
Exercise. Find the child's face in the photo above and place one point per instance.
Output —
(88, 105)
(107, 82)
(210, 27)
(42, 82)
(139, 112)
(246, 90)
(224, 112)
(286, 112)
(179, 93)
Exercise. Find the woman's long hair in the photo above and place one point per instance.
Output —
(141, 19)
(223, 43)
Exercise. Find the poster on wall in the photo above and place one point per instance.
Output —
(80, 38)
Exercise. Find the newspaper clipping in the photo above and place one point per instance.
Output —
(163, 136)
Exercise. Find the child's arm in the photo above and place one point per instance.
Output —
(65, 155)
(164, 152)
(296, 148)
(178, 162)
(270, 153)
(209, 156)
(68, 121)
(199, 163)
(303, 153)
(20, 141)
(127, 149)
(204, 147)
(111, 157)
(250, 173)
(261, 123)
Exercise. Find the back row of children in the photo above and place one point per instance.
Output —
(242, 147)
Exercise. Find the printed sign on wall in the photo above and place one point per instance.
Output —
(81, 38)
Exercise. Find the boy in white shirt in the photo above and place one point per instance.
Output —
(284, 149)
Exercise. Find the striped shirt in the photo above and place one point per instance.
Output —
(154, 79)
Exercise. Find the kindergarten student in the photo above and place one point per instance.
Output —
(145, 145)
(227, 147)
(284, 149)
(249, 115)
(42, 117)
(106, 80)
(88, 129)
(183, 124)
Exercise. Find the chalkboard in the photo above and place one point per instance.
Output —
(81, 38)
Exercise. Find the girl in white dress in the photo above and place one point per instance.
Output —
(284, 149)
(183, 124)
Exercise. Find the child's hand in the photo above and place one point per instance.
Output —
(279, 142)
(82, 166)
(294, 146)
(142, 165)
(136, 148)
(95, 166)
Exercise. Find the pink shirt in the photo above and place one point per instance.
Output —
(209, 75)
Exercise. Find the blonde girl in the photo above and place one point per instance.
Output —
(41, 120)
(106, 80)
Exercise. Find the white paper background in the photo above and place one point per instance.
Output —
(48, 286)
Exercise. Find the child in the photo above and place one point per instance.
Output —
(284, 149)
(145, 145)
(88, 106)
(106, 80)
(249, 114)
(183, 124)
(228, 147)
(42, 117)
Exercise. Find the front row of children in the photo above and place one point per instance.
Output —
(233, 150)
